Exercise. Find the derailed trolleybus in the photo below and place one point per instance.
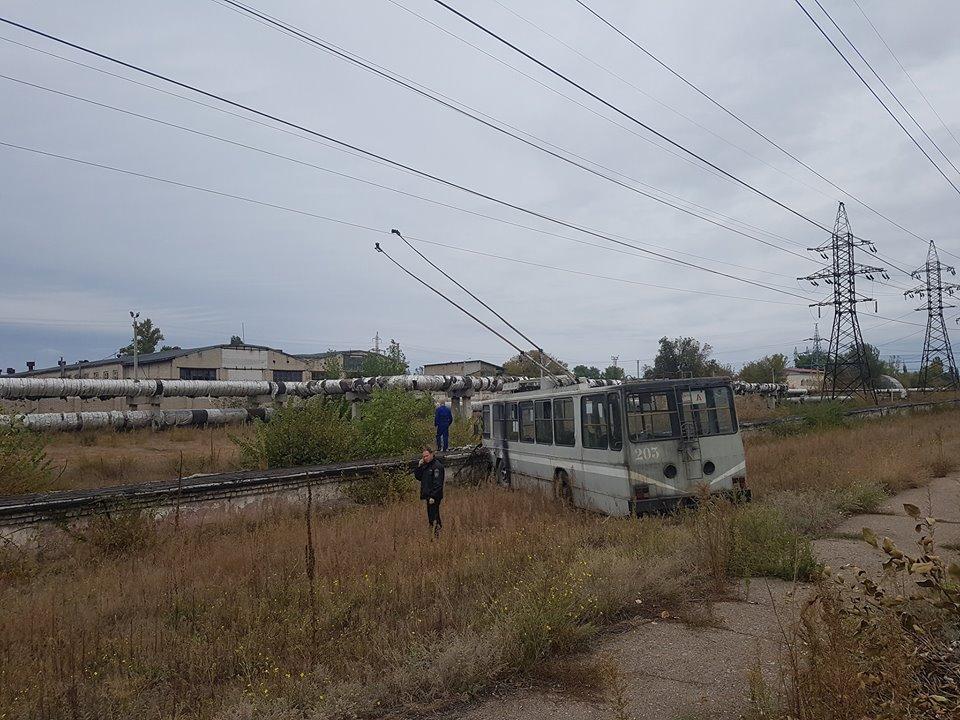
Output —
(642, 446)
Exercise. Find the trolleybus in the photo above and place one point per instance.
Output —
(641, 446)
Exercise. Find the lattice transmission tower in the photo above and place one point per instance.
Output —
(817, 358)
(847, 367)
(936, 344)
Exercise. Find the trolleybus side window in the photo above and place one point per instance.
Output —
(498, 420)
(513, 422)
(526, 421)
(544, 421)
(593, 421)
(564, 432)
(485, 421)
(616, 429)
(649, 417)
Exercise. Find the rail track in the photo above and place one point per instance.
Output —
(20, 511)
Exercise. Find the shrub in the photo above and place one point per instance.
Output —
(24, 466)
(394, 422)
(301, 433)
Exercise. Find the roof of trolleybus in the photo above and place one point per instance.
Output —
(532, 387)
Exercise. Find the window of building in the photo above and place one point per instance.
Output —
(116, 374)
(593, 421)
(513, 422)
(616, 423)
(485, 421)
(564, 431)
(526, 422)
(498, 420)
(649, 417)
(544, 420)
(198, 373)
(287, 375)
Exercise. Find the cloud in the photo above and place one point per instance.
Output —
(84, 245)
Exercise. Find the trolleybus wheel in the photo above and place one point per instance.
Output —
(502, 473)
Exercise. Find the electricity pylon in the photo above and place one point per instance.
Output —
(847, 369)
(817, 360)
(936, 344)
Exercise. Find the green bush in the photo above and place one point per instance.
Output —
(302, 433)
(814, 416)
(394, 422)
(24, 466)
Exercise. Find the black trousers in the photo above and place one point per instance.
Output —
(433, 514)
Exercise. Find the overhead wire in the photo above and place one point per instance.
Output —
(553, 71)
(319, 216)
(482, 118)
(365, 181)
(739, 119)
(874, 93)
(396, 163)
(885, 86)
(896, 59)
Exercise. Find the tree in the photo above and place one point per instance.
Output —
(393, 362)
(809, 359)
(236, 340)
(614, 372)
(332, 368)
(684, 357)
(523, 366)
(148, 337)
(582, 371)
(771, 368)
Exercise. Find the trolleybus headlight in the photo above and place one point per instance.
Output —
(670, 472)
(709, 468)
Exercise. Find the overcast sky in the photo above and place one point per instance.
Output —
(84, 245)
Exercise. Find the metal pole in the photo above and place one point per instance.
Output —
(136, 359)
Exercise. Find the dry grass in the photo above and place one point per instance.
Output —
(894, 453)
(127, 619)
(106, 457)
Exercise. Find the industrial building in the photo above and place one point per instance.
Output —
(473, 368)
(212, 362)
(804, 379)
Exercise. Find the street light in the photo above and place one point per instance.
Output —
(136, 364)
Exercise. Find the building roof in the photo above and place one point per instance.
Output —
(332, 353)
(464, 362)
(144, 359)
(808, 371)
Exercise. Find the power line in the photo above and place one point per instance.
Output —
(382, 158)
(627, 115)
(752, 128)
(472, 113)
(875, 95)
(943, 124)
(326, 218)
(371, 183)
(884, 84)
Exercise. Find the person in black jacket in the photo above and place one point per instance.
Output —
(430, 473)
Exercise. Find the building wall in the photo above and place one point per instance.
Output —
(804, 381)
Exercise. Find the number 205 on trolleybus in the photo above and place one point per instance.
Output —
(643, 446)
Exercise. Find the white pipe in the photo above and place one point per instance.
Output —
(132, 419)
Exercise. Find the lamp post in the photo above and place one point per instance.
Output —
(136, 363)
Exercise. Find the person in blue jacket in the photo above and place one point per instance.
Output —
(443, 419)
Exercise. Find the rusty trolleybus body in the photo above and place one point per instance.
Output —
(643, 446)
